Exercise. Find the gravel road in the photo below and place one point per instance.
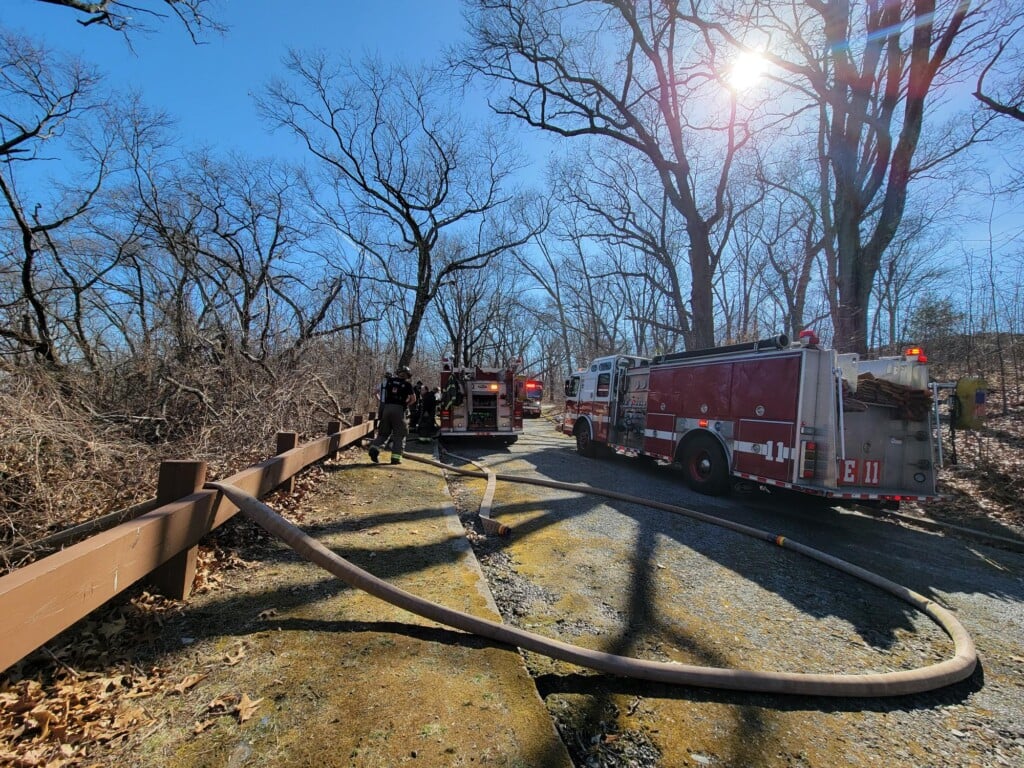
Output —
(635, 581)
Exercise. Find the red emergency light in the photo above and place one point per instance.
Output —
(918, 353)
(531, 385)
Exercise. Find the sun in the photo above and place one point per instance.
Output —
(747, 70)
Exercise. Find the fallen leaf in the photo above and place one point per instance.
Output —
(43, 718)
(247, 707)
(190, 681)
(233, 657)
(221, 704)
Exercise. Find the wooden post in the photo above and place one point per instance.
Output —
(285, 442)
(333, 428)
(178, 479)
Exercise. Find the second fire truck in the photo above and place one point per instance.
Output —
(797, 416)
(480, 402)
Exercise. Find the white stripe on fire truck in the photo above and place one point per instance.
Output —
(781, 452)
(837, 495)
(658, 434)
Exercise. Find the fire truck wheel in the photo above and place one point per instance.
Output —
(704, 466)
(585, 445)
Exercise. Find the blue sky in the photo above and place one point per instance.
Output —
(208, 88)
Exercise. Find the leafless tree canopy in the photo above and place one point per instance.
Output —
(402, 177)
(129, 17)
(853, 77)
(1000, 85)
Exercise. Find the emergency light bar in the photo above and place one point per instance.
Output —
(916, 352)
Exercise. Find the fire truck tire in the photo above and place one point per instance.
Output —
(704, 466)
(585, 445)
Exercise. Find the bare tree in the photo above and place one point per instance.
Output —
(909, 270)
(543, 268)
(46, 105)
(624, 210)
(639, 73)
(128, 17)
(401, 172)
(468, 308)
(1006, 66)
(875, 70)
(790, 234)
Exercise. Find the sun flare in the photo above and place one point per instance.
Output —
(747, 70)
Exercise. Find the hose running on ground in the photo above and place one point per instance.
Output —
(874, 685)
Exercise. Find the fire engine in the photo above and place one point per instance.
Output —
(480, 402)
(770, 412)
(532, 394)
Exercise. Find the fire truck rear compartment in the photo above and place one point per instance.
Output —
(483, 414)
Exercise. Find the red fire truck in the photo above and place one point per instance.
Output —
(797, 416)
(532, 395)
(480, 402)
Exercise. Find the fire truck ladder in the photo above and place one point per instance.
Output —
(781, 341)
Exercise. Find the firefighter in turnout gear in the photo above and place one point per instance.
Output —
(397, 396)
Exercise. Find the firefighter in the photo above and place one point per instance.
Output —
(416, 409)
(398, 395)
(427, 427)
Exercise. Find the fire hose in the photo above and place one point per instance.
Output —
(897, 683)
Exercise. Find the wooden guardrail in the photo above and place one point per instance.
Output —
(40, 600)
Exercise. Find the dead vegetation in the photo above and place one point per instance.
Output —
(985, 487)
(88, 688)
(78, 446)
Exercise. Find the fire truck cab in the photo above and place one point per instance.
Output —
(480, 402)
(774, 413)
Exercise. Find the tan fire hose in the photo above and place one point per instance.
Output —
(903, 682)
(489, 524)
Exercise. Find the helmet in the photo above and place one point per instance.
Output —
(404, 372)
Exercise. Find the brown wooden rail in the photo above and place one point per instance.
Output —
(40, 600)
